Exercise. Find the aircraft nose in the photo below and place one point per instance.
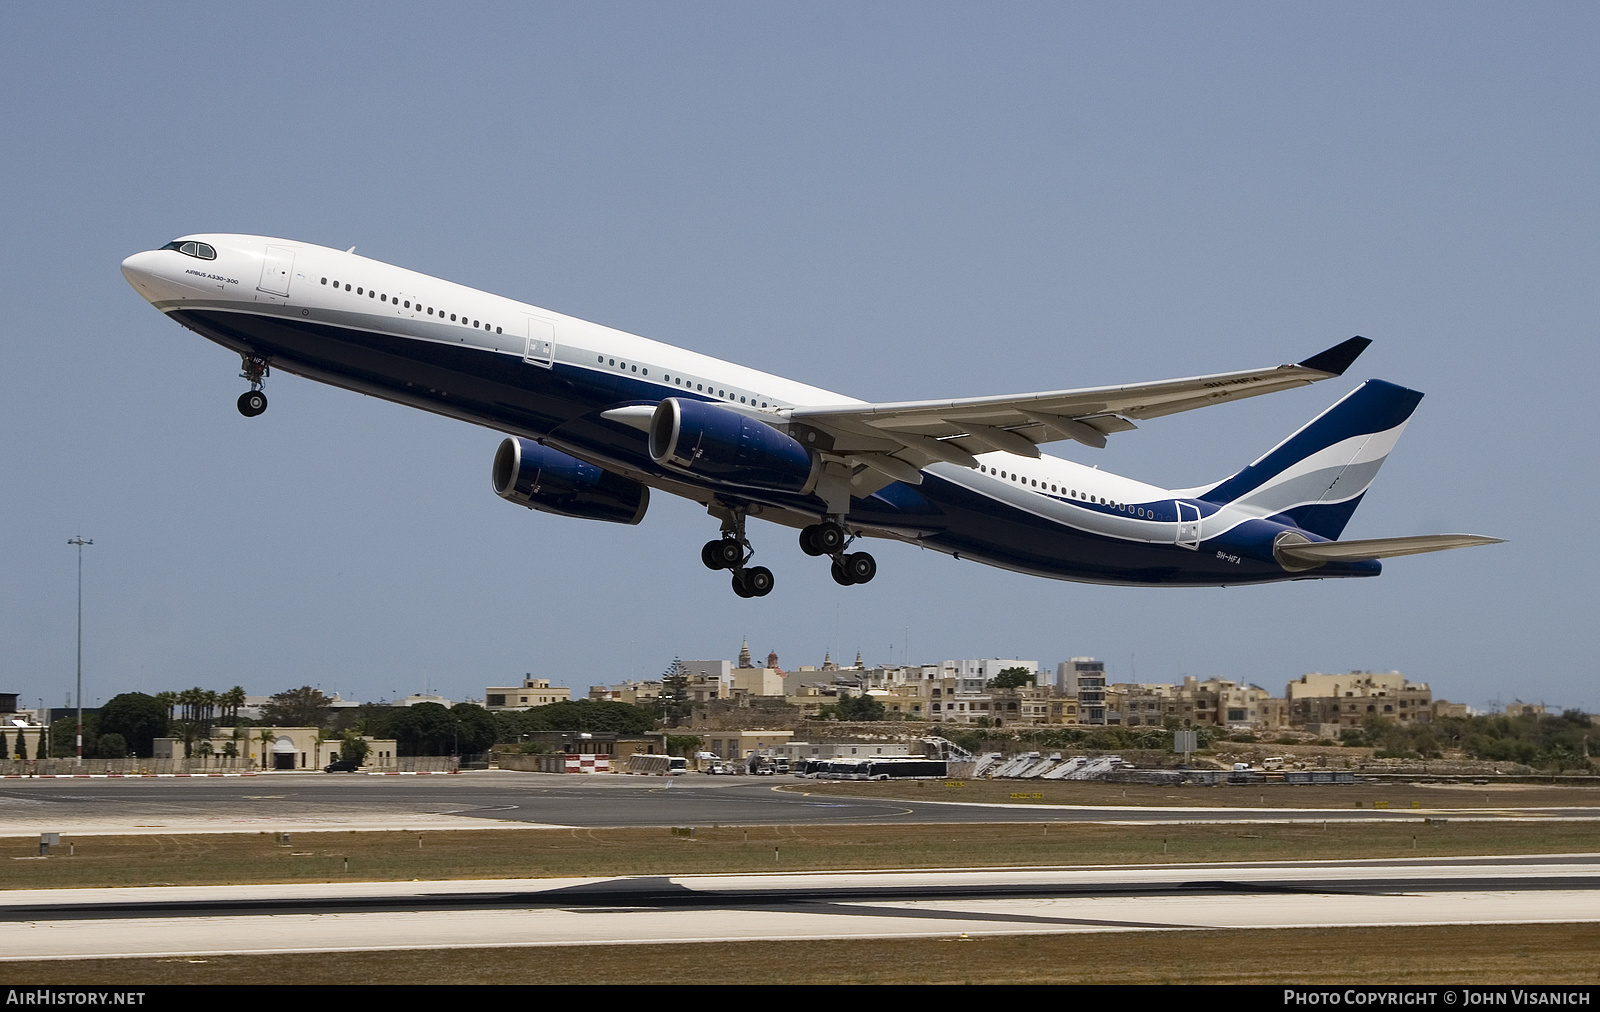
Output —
(140, 270)
(158, 277)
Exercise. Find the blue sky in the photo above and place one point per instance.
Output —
(890, 200)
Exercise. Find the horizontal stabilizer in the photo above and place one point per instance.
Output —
(1296, 554)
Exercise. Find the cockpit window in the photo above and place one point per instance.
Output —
(199, 250)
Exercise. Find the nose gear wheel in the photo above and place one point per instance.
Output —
(252, 402)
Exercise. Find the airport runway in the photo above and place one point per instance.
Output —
(200, 921)
(506, 799)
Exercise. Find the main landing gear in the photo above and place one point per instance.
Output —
(252, 402)
(731, 552)
(829, 538)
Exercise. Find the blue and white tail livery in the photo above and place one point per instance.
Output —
(1315, 479)
(596, 419)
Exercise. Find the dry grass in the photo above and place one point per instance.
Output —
(1397, 796)
(397, 856)
(1468, 954)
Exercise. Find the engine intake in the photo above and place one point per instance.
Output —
(710, 441)
(533, 475)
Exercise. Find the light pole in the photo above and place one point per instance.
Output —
(80, 542)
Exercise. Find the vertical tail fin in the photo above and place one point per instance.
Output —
(1318, 475)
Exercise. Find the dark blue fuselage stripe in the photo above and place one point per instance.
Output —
(502, 392)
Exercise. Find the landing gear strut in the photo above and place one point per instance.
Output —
(731, 552)
(829, 538)
(252, 402)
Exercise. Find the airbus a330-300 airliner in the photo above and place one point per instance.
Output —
(596, 418)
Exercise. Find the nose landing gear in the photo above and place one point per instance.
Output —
(252, 402)
(829, 538)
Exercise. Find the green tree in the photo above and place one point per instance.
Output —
(231, 703)
(139, 718)
(574, 715)
(683, 744)
(673, 704)
(22, 746)
(424, 729)
(64, 735)
(353, 747)
(1011, 678)
(476, 727)
(110, 746)
(853, 708)
(267, 738)
(302, 707)
(186, 731)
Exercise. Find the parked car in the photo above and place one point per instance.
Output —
(342, 766)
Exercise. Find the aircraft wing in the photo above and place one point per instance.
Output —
(899, 438)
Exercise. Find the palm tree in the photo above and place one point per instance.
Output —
(232, 702)
(267, 738)
(189, 732)
(208, 708)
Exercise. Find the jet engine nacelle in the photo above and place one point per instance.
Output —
(533, 475)
(710, 441)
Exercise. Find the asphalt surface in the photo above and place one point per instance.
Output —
(502, 798)
(203, 920)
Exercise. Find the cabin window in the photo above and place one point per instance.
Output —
(324, 280)
(358, 291)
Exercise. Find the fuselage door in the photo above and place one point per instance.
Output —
(1188, 524)
(275, 270)
(541, 347)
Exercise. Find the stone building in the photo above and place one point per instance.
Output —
(1328, 704)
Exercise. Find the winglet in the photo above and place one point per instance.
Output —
(1337, 359)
